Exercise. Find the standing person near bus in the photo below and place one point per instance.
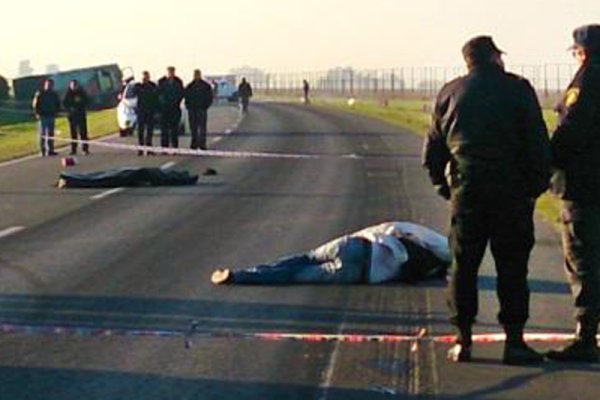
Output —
(244, 93)
(147, 107)
(170, 92)
(76, 102)
(46, 105)
(198, 99)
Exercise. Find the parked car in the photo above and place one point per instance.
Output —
(127, 114)
(226, 88)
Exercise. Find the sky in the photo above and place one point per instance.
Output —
(282, 35)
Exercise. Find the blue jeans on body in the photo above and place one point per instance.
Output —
(343, 260)
(46, 130)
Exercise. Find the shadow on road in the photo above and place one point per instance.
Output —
(62, 384)
(213, 316)
(535, 285)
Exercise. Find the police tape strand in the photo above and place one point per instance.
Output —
(192, 152)
(194, 331)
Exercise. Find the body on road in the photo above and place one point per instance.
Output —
(390, 251)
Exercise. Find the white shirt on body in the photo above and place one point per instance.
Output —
(388, 254)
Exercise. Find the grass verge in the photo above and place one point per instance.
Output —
(18, 140)
(414, 115)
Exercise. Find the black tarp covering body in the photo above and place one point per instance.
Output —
(127, 177)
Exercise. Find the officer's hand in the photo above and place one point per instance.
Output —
(443, 190)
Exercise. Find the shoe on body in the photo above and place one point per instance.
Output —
(221, 276)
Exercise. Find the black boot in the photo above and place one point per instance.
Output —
(584, 346)
(516, 351)
(461, 350)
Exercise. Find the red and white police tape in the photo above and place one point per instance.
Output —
(194, 332)
(202, 153)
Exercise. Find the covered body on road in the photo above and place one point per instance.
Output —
(126, 176)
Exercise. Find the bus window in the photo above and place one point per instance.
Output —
(105, 80)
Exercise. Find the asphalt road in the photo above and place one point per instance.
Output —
(140, 259)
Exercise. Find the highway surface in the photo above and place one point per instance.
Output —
(140, 260)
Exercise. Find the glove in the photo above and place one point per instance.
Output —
(443, 190)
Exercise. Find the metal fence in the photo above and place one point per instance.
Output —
(548, 79)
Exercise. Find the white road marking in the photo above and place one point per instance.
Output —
(330, 369)
(10, 231)
(168, 165)
(19, 160)
(229, 131)
(107, 193)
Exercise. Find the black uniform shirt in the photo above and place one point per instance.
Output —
(488, 134)
(576, 140)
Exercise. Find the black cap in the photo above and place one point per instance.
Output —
(480, 47)
(588, 37)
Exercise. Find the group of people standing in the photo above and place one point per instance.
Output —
(165, 99)
(489, 154)
(47, 105)
(157, 102)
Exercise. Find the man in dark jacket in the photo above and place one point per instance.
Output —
(489, 140)
(46, 105)
(198, 99)
(576, 150)
(170, 92)
(76, 103)
(244, 93)
(147, 107)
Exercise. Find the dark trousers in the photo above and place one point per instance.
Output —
(198, 125)
(145, 129)
(507, 224)
(581, 245)
(169, 121)
(245, 103)
(79, 130)
(342, 260)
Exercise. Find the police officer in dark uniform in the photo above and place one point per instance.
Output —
(147, 107)
(76, 103)
(198, 99)
(576, 151)
(170, 89)
(488, 153)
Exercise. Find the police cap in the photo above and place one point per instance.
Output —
(588, 37)
(480, 47)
